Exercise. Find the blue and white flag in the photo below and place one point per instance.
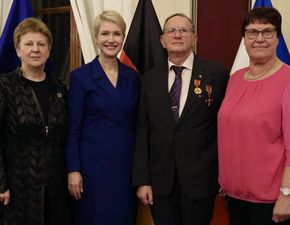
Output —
(242, 59)
(20, 9)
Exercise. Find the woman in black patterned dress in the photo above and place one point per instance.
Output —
(32, 130)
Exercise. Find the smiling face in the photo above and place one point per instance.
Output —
(261, 48)
(109, 39)
(178, 42)
(33, 50)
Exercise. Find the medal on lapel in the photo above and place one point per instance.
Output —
(197, 90)
(209, 99)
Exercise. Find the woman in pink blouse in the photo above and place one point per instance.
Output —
(254, 128)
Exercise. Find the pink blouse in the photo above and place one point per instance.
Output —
(254, 136)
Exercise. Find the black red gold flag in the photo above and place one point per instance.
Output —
(142, 49)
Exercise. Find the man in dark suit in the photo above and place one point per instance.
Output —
(175, 162)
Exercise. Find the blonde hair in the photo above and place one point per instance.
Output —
(31, 24)
(109, 15)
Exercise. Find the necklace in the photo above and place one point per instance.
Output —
(252, 77)
(111, 73)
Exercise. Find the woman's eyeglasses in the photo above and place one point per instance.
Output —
(267, 33)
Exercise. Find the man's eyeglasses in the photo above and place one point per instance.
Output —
(267, 33)
(182, 31)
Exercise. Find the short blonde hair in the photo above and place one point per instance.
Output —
(109, 15)
(31, 24)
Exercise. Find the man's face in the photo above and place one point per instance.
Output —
(178, 37)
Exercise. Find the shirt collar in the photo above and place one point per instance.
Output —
(188, 63)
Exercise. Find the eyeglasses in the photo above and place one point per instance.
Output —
(182, 31)
(267, 33)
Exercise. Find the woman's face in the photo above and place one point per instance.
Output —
(261, 47)
(33, 50)
(110, 39)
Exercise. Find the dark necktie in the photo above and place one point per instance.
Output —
(175, 90)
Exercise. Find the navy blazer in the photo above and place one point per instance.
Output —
(90, 88)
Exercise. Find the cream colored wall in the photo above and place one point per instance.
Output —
(283, 6)
(165, 8)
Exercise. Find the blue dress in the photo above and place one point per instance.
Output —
(100, 143)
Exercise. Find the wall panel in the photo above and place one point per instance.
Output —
(218, 27)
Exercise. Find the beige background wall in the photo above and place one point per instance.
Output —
(165, 8)
(284, 6)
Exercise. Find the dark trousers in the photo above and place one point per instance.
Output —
(178, 209)
(249, 213)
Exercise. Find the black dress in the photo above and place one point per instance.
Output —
(33, 122)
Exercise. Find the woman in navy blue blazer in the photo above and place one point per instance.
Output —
(102, 102)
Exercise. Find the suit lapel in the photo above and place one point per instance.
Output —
(122, 84)
(102, 82)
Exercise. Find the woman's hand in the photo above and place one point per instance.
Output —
(75, 184)
(5, 197)
(281, 210)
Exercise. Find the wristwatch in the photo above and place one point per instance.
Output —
(285, 191)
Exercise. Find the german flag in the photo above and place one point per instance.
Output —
(142, 49)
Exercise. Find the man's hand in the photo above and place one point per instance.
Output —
(145, 194)
(5, 197)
